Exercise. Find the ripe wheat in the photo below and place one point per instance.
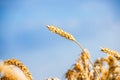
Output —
(105, 68)
(20, 65)
(70, 37)
(111, 52)
(60, 32)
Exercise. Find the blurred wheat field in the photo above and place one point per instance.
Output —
(104, 68)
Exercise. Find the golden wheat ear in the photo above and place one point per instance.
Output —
(111, 52)
(64, 34)
(20, 65)
(60, 32)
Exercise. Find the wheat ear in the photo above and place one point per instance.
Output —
(60, 32)
(111, 52)
(63, 34)
(20, 65)
(69, 37)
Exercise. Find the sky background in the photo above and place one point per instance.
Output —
(24, 36)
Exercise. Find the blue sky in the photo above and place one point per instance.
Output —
(24, 36)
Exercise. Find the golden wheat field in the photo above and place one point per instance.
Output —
(104, 68)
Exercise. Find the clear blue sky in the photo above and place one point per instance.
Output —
(23, 35)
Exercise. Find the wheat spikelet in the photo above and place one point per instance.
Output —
(60, 32)
(111, 52)
(20, 65)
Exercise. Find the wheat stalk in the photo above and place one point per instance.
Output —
(111, 52)
(20, 65)
(69, 37)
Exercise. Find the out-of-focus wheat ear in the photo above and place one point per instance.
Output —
(7, 78)
(20, 65)
(52, 78)
(111, 52)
